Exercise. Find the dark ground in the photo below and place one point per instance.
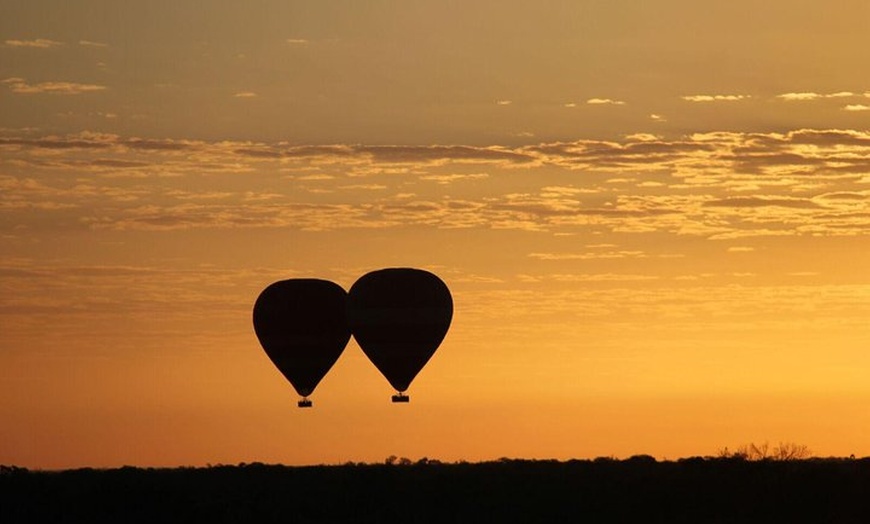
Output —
(639, 489)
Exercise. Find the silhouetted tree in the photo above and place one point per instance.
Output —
(753, 451)
(791, 451)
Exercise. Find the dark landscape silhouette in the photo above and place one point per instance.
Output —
(727, 489)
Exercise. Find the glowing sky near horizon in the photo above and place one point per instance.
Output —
(653, 217)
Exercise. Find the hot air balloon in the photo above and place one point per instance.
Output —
(399, 316)
(302, 326)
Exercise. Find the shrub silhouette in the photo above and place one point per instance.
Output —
(782, 451)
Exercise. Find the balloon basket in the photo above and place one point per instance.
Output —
(304, 403)
(401, 398)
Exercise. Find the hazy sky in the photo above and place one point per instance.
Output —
(653, 217)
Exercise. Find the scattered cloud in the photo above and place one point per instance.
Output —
(763, 201)
(318, 177)
(717, 185)
(590, 255)
(449, 179)
(503, 102)
(605, 101)
(245, 94)
(39, 43)
(714, 98)
(90, 43)
(364, 187)
(856, 107)
(642, 137)
(20, 86)
(297, 41)
(799, 96)
(657, 118)
(442, 154)
(806, 96)
(586, 277)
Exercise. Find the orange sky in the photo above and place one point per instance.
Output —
(653, 218)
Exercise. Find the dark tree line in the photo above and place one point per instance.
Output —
(639, 489)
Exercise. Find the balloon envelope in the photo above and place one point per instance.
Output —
(399, 316)
(302, 326)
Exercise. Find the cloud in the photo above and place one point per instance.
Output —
(714, 98)
(562, 191)
(754, 202)
(799, 96)
(20, 86)
(604, 101)
(375, 159)
(806, 96)
(845, 196)
(590, 154)
(364, 187)
(90, 43)
(586, 277)
(591, 255)
(716, 185)
(316, 178)
(245, 94)
(856, 107)
(39, 43)
(443, 154)
(642, 137)
(297, 41)
(449, 179)
(503, 102)
(79, 293)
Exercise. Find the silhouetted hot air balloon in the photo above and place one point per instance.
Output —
(302, 326)
(399, 316)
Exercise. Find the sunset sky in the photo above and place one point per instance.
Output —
(654, 218)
